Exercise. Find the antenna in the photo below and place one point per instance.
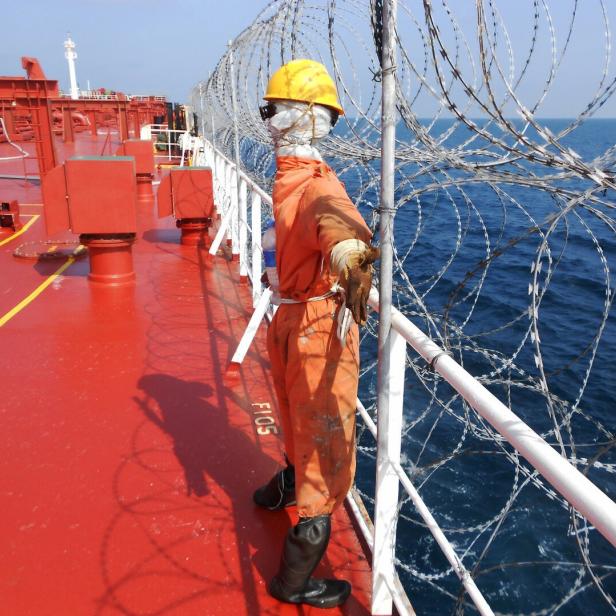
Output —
(71, 56)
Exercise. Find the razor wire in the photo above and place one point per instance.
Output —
(505, 243)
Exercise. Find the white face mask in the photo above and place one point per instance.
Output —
(297, 127)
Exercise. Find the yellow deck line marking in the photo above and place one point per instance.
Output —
(11, 313)
(32, 220)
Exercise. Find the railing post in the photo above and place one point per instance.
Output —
(220, 179)
(243, 221)
(227, 193)
(197, 160)
(239, 216)
(202, 112)
(389, 440)
(235, 216)
(214, 165)
(384, 534)
(255, 238)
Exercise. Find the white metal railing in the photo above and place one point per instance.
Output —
(145, 97)
(94, 95)
(231, 200)
(177, 143)
(232, 193)
(91, 95)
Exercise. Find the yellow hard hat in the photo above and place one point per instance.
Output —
(304, 81)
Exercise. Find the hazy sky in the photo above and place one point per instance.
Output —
(135, 46)
(166, 46)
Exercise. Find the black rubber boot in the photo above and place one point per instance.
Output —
(303, 549)
(279, 492)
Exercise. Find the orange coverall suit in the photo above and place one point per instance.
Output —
(315, 377)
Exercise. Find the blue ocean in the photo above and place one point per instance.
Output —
(516, 280)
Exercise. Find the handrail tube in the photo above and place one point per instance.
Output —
(579, 491)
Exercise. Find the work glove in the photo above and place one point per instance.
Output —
(355, 278)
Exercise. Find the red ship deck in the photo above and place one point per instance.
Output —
(128, 457)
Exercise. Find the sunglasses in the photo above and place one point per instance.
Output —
(269, 111)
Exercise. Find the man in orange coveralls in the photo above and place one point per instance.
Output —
(323, 260)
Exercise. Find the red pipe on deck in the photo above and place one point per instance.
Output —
(194, 232)
(111, 259)
(145, 192)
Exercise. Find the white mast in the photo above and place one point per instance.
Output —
(71, 55)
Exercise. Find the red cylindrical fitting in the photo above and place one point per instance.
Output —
(194, 230)
(5, 231)
(111, 258)
(145, 192)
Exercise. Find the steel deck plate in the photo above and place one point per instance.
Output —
(128, 455)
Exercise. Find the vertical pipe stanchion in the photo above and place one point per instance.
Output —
(256, 247)
(211, 157)
(239, 218)
(236, 136)
(228, 196)
(202, 112)
(213, 140)
(214, 166)
(123, 120)
(198, 156)
(223, 183)
(235, 215)
(388, 484)
(217, 181)
(92, 120)
(382, 566)
(243, 216)
(222, 179)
